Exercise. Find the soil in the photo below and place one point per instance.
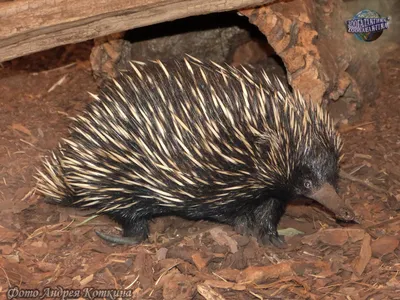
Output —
(46, 246)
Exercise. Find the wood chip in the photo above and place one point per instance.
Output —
(228, 274)
(46, 266)
(225, 285)
(7, 235)
(362, 260)
(86, 280)
(259, 274)
(208, 293)
(21, 128)
(200, 261)
(6, 249)
(384, 245)
(336, 237)
(222, 239)
(161, 253)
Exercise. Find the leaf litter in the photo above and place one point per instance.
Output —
(44, 245)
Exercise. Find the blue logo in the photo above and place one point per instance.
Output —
(367, 25)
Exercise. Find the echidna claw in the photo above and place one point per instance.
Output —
(119, 240)
(274, 240)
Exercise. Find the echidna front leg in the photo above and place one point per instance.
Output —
(262, 222)
(267, 217)
(135, 230)
(244, 224)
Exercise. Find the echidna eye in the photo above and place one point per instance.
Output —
(307, 184)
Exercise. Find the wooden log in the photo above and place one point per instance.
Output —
(323, 61)
(28, 26)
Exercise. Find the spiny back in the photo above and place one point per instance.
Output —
(184, 134)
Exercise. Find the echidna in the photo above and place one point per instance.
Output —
(197, 140)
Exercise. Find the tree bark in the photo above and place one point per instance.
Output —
(29, 26)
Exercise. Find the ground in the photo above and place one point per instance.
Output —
(44, 245)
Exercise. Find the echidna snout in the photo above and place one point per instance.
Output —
(327, 196)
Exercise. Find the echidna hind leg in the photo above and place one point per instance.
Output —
(135, 229)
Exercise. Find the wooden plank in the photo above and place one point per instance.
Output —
(28, 26)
